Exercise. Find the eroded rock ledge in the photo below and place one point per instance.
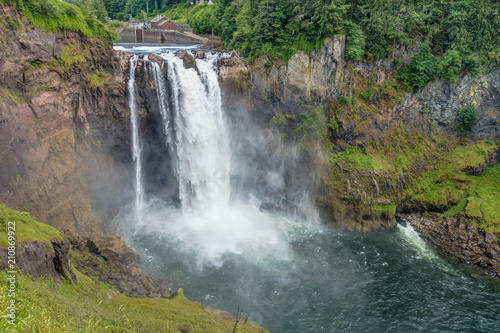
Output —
(111, 261)
(40, 259)
(453, 236)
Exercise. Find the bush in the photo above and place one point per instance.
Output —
(472, 64)
(450, 66)
(421, 70)
(467, 118)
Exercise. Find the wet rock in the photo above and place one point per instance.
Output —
(158, 59)
(188, 59)
(122, 267)
(200, 54)
(480, 248)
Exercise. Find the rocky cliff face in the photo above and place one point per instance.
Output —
(459, 239)
(366, 106)
(47, 259)
(63, 125)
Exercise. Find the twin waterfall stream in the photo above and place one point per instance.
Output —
(220, 243)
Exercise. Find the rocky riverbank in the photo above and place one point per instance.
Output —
(459, 238)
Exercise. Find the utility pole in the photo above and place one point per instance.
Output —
(187, 11)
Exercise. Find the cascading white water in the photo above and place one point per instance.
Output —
(136, 145)
(200, 144)
(207, 225)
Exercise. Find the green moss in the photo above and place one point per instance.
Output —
(99, 79)
(438, 197)
(27, 229)
(72, 56)
(7, 95)
(391, 208)
(355, 159)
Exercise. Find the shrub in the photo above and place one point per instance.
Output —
(472, 64)
(421, 70)
(367, 95)
(467, 118)
(449, 67)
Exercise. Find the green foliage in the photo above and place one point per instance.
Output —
(422, 68)
(397, 64)
(27, 229)
(368, 94)
(54, 15)
(37, 64)
(13, 25)
(462, 34)
(355, 41)
(71, 56)
(312, 125)
(204, 21)
(471, 64)
(99, 79)
(450, 65)
(424, 110)
(467, 118)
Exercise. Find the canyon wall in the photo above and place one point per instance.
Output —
(63, 126)
(365, 106)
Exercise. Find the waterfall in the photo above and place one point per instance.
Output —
(136, 145)
(208, 223)
(199, 143)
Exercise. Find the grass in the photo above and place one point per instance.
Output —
(87, 306)
(27, 229)
(54, 15)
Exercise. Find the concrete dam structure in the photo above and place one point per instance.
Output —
(158, 36)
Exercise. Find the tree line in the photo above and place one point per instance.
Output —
(444, 36)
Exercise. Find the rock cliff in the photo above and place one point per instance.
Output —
(63, 125)
(382, 150)
(43, 259)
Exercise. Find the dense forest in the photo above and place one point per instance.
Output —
(432, 37)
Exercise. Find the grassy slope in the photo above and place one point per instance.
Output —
(89, 307)
(444, 186)
(178, 13)
(54, 15)
(27, 229)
